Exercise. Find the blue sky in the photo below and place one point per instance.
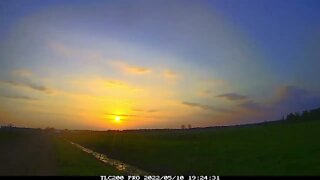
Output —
(157, 64)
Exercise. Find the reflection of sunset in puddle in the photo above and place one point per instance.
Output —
(130, 170)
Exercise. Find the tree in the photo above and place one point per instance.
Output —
(290, 117)
(305, 115)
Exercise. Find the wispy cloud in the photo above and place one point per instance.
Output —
(19, 97)
(169, 74)
(208, 87)
(204, 107)
(62, 49)
(252, 105)
(124, 115)
(145, 110)
(232, 96)
(77, 53)
(116, 83)
(136, 69)
(152, 110)
(31, 85)
(131, 69)
(130, 115)
(22, 73)
(23, 78)
(286, 99)
(214, 82)
(291, 98)
(206, 92)
(139, 115)
(290, 92)
(120, 84)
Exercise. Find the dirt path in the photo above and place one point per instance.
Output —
(31, 154)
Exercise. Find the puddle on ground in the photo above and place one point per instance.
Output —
(128, 169)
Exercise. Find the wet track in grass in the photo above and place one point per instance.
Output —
(121, 166)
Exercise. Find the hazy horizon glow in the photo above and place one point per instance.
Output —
(156, 64)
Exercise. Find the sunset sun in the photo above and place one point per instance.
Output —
(117, 119)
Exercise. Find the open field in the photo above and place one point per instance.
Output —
(280, 148)
(283, 148)
(32, 152)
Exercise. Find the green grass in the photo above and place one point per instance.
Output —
(288, 148)
(73, 161)
(41, 153)
(6, 135)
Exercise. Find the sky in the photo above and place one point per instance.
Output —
(122, 64)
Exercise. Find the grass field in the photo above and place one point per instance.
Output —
(73, 161)
(281, 148)
(30, 152)
(284, 148)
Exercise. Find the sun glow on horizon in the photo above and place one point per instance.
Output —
(117, 119)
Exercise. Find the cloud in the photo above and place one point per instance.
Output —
(124, 115)
(251, 105)
(120, 84)
(206, 92)
(152, 110)
(130, 69)
(169, 74)
(77, 53)
(115, 83)
(22, 78)
(204, 107)
(22, 73)
(19, 97)
(210, 81)
(27, 83)
(209, 86)
(62, 49)
(131, 115)
(145, 110)
(286, 99)
(232, 96)
(291, 98)
(245, 109)
(290, 92)
(191, 104)
(138, 110)
(136, 70)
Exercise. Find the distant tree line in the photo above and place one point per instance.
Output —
(304, 116)
(8, 126)
(184, 127)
